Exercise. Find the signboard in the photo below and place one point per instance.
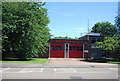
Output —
(85, 50)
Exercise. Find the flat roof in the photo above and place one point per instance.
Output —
(94, 34)
(68, 39)
(65, 40)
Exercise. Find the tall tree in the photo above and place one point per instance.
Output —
(104, 28)
(25, 31)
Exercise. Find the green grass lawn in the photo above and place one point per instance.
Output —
(33, 60)
(113, 62)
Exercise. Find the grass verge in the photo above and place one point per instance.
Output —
(32, 60)
(118, 62)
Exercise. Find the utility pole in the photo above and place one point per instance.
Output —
(88, 30)
(80, 34)
(88, 27)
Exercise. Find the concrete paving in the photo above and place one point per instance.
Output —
(59, 73)
(77, 62)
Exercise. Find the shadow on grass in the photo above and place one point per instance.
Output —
(95, 61)
(100, 61)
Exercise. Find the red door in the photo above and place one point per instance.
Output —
(66, 50)
(57, 50)
(75, 50)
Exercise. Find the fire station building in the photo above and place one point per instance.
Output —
(66, 48)
(84, 47)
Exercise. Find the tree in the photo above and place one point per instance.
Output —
(111, 45)
(25, 31)
(104, 28)
(117, 23)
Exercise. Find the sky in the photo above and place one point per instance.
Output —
(72, 19)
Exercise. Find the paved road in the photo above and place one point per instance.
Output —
(29, 65)
(59, 73)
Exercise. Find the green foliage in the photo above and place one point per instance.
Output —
(104, 28)
(111, 44)
(25, 31)
(117, 23)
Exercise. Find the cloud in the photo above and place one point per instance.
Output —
(56, 10)
(67, 14)
(53, 9)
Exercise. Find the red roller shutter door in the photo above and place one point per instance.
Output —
(75, 50)
(57, 50)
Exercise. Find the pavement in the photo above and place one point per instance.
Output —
(59, 73)
(61, 63)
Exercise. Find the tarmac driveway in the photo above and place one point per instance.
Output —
(66, 61)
